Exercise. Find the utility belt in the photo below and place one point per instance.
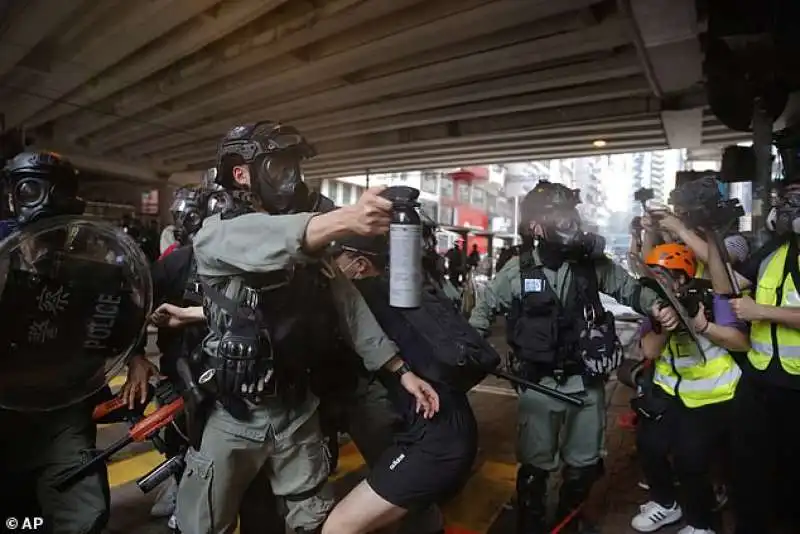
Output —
(559, 371)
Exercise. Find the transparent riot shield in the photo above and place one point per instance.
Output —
(662, 278)
(75, 295)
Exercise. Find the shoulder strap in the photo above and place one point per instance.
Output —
(231, 307)
(585, 274)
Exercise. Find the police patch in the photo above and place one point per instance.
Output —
(533, 285)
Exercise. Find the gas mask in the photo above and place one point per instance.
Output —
(784, 218)
(187, 214)
(229, 203)
(273, 154)
(41, 184)
(561, 228)
(278, 183)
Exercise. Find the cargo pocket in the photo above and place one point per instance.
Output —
(194, 505)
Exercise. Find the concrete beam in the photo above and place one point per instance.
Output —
(129, 28)
(532, 140)
(299, 25)
(27, 25)
(179, 179)
(604, 68)
(460, 131)
(683, 128)
(160, 53)
(598, 92)
(480, 158)
(665, 32)
(463, 24)
(110, 167)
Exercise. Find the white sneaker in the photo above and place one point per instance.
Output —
(165, 502)
(692, 530)
(172, 524)
(652, 516)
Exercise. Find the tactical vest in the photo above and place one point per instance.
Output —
(543, 327)
(778, 284)
(298, 319)
(681, 371)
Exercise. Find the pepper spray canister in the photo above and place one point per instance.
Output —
(405, 248)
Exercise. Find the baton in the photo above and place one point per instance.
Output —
(544, 390)
(141, 431)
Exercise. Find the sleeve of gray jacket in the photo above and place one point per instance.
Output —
(615, 281)
(366, 336)
(251, 243)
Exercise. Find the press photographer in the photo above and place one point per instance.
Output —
(698, 205)
(687, 414)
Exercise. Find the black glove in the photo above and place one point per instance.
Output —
(242, 366)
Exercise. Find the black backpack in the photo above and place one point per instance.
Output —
(437, 342)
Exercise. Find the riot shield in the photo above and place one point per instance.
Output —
(75, 295)
(642, 270)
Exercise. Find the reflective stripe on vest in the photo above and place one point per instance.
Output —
(770, 276)
(698, 383)
(701, 270)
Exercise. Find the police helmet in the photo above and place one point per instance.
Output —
(41, 184)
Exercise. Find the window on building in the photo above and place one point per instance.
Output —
(478, 197)
(446, 187)
(325, 188)
(347, 194)
(334, 189)
(446, 215)
(491, 203)
(429, 181)
(463, 192)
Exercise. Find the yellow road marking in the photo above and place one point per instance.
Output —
(133, 468)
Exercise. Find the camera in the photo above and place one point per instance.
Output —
(721, 216)
(644, 194)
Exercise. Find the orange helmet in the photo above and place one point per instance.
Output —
(673, 256)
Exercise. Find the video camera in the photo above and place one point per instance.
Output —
(698, 202)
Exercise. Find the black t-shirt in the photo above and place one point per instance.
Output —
(774, 374)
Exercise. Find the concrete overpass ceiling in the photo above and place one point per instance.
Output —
(144, 89)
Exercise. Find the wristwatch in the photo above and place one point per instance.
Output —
(403, 369)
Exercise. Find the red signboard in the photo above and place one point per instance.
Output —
(470, 217)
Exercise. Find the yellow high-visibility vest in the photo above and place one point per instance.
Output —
(698, 383)
(773, 290)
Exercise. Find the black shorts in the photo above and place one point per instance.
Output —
(431, 460)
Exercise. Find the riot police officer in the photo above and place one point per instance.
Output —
(550, 293)
(38, 447)
(272, 303)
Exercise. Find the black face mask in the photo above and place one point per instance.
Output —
(34, 198)
(279, 183)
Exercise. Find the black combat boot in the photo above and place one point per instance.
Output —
(575, 487)
(531, 494)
